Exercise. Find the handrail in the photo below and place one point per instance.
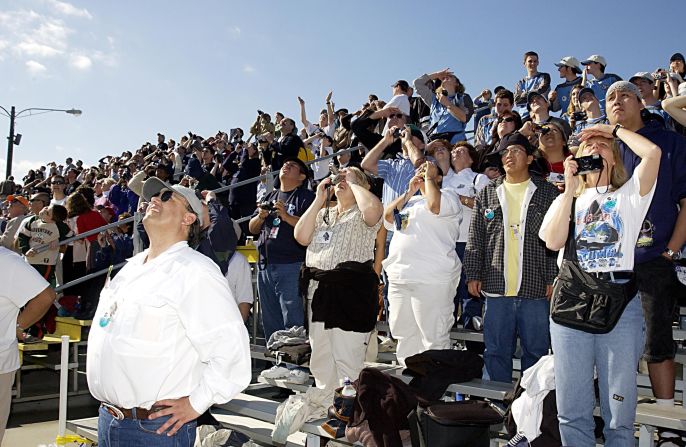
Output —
(42, 248)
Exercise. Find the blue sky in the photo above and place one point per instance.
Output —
(139, 67)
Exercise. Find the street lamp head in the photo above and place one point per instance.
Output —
(75, 112)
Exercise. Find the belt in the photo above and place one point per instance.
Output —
(129, 413)
(614, 276)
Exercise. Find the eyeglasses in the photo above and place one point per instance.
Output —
(515, 150)
(396, 115)
(508, 119)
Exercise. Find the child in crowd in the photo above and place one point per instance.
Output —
(47, 228)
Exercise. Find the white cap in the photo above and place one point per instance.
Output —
(595, 58)
(568, 61)
(154, 185)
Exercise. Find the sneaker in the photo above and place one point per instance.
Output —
(298, 376)
(30, 339)
(388, 345)
(275, 372)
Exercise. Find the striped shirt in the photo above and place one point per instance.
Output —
(396, 174)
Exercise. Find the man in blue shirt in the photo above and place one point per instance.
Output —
(662, 235)
(532, 82)
(595, 66)
(645, 83)
(569, 70)
(504, 101)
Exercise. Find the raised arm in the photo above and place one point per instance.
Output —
(432, 192)
(370, 206)
(648, 152)
(329, 109)
(400, 202)
(371, 160)
(676, 107)
(303, 114)
(304, 229)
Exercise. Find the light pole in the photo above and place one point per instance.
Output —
(13, 139)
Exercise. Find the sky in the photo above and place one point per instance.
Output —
(136, 68)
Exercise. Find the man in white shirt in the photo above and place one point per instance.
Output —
(169, 340)
(240, 283)
(26, 288)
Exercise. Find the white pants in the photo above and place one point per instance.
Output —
(6, 381)
(420, 316)
(336, 354)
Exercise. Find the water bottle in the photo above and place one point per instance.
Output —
(458, 397)
(348, 389)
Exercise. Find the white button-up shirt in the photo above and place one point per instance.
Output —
(176, 332)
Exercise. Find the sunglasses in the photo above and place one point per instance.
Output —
(509, 119)
(397, 219)
(164, 196)
(396, 115)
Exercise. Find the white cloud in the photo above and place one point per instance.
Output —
(80, 62)
(35, 68)
(68, 9)
(235, 32)
(247, 68)
(20, 168)
(34, 49)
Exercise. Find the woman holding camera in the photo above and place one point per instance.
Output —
(608, 212)
(422, 265)
(339, 276)
(451, 107)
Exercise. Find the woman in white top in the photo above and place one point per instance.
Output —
(422, 266)
(335, 235)
(609, 211)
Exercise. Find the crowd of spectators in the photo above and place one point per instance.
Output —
(448, 199)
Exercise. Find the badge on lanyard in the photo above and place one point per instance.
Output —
(273, 233)
(489, 214)
(323, 237)
(276, 222)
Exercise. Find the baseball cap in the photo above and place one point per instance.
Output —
(402, 84)
(154, 185)
(417, 132)
(642, 75)
(303, 167)
(585, 90)
(21, 199)
(533, 95)
(44, 196)
(595, 58)
(515, 139)
(623, 86)
(677, 57)
(569, 61)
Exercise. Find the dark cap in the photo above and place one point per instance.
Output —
(303, 167)
(533, 95)
(344, 110)
(417, 132)
(677, 57)
(515, 139)
(584, 91)
(402, 84)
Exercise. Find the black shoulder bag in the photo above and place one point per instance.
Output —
(582, 300)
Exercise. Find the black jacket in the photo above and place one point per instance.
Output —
(347, 296)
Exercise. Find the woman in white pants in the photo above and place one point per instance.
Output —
(422, 266)
(342, 294)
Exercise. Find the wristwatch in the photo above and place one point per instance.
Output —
(616, 129)
(671, 253)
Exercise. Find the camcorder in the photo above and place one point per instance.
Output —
(589, 163)
(579, 116)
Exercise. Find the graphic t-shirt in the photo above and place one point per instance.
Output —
(607, 226)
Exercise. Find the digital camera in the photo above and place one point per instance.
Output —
(589, 163)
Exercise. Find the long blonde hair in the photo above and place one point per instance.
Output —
(618, 175)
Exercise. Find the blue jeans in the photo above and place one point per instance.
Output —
(504, 319)
(615, 356)
(141, 432)
(280, 302)
(470, 307)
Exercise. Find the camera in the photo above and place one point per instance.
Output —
(335, 179)
(660, 75)
(396, 133)
(444, 92)
(589, 163)
(579, 116)
(543, 130)
(259, 112)
(268, 206)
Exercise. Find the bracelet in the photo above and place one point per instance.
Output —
(617, 127)
(20, 328)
